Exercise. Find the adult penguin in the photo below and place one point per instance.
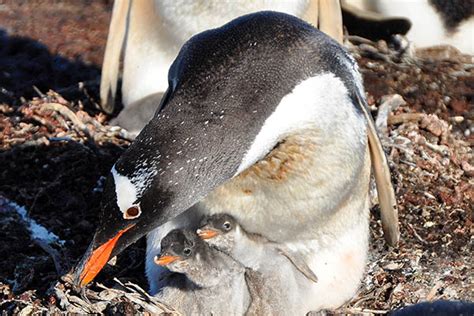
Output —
(264, 119)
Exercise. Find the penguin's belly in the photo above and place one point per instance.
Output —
(339, 263)
(288, 196)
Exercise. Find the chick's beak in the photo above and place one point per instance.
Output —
(207, 233)
(165, 259)
(99, 258)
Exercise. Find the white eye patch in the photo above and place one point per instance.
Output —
(126, 194)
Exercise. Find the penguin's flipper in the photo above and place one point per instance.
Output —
(113, 50)
(298, 261)
(385, 192)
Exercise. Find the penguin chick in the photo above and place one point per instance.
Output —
(212, 282)
(282, 278)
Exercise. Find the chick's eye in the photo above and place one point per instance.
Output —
(187, 251)
(226, 226)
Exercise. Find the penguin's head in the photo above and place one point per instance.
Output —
(179, 250)
(234, 93)
(220, 231)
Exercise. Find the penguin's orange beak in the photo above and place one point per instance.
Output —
(164, 260)
(99, 258)
(207, 233)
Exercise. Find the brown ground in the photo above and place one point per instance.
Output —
(55, 149)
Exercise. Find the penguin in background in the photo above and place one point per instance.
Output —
(149, 34)
(264, 119)
(433, 22)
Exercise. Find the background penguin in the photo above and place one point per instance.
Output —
(433, 22)
(214, 285)
(151, 32)
(264, 119)
(283, 287)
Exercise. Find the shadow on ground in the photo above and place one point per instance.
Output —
(25, 63)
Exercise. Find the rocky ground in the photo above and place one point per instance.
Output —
(56, 147)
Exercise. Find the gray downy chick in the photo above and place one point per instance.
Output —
(208, 281)
(277, 278)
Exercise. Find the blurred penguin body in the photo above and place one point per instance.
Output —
(434, 22)
(152, 32)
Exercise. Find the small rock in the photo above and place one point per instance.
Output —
(457, 119)
(28, 310)
(468, 168)
(434, 125)
(392, 266)
(382, 46)
(459, 106)
(429, 224)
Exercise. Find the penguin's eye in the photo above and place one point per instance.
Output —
(187, 251)
(227, 226)
(132, 212)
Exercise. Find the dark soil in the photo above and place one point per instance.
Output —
(50, 45)
(56, 149)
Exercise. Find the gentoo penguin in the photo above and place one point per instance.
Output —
(215, 284)
(151, 32)
(433, 22)
(282, 287)
(264, 119)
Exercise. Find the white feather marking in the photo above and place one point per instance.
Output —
(311, 104)
(125, 191)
